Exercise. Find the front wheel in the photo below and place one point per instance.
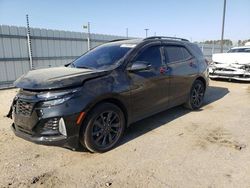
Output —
(196, 95)
(105, 125)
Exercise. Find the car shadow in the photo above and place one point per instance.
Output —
(161, 119)
(231, 81)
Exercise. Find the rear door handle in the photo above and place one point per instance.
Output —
(164, 70)
(192, 64)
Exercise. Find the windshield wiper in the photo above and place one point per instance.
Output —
(83, 67)
(70, 65)
(80, 67)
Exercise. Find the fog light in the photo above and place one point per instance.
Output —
(62, 128)
(51, 127)
(51, 124)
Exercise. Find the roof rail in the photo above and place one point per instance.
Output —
(162, 37)
(115, 40)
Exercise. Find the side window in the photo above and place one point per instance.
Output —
(186, 54)
(177, 54)
(174, 53)
(151, 55)
(195, 49)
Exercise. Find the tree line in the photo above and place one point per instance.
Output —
(243, 42)
(227, 42)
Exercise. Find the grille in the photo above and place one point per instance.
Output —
(24, 108)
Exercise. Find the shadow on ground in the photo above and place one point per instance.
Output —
(141, 127)
(148, 124)
(230, 81)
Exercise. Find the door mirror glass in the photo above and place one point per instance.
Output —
(139, 66)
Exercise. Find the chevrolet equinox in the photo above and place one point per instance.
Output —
(92, 100)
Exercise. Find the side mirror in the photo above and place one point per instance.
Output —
(139, 66)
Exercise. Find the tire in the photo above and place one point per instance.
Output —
(104, 127)
(196, 96)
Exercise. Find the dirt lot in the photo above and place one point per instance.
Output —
(176, 148)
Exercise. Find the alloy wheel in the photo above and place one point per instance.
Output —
(197, 95)
(106, 129)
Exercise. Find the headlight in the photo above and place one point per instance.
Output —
(56, 94)
(54, 102)
(53, 98)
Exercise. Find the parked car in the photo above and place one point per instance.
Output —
(96, 97)
(233, 65)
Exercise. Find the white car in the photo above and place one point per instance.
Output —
(233, 65)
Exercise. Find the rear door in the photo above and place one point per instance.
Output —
(182, 68)
(149, 88)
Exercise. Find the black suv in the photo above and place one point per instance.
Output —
(93, 99)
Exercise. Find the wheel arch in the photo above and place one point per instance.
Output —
(203, 80)
(112, 100)
(118, 103)
(91, 106)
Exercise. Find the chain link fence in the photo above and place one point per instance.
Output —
(49, 48)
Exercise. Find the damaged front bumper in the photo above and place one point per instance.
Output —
(59, 140)
(41, 136)
(230, 71)
(37, 122)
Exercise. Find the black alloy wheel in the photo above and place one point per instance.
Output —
(104, 127)
(196, 97)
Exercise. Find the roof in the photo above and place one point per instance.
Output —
(127, 41)
(134, 42)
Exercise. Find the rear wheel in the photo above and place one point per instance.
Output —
(196, 95)
(105, 125)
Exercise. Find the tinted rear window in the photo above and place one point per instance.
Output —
(177, 54)
(195, 50)
(174, 53)
(186, 54)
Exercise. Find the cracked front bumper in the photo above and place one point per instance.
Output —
(71, 142)
(229, 73)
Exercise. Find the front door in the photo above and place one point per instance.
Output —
(149, 88)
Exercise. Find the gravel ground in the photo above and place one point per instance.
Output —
(175, 148)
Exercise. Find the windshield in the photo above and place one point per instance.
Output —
(244, 50)
(102, 57)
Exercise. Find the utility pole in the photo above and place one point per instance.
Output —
(146, 32)
(127, 33)
(29, 42)
(223, 23)
(89, 35)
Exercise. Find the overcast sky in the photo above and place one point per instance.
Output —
(197, 20)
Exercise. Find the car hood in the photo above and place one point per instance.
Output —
(231, 58)
(56, 78)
